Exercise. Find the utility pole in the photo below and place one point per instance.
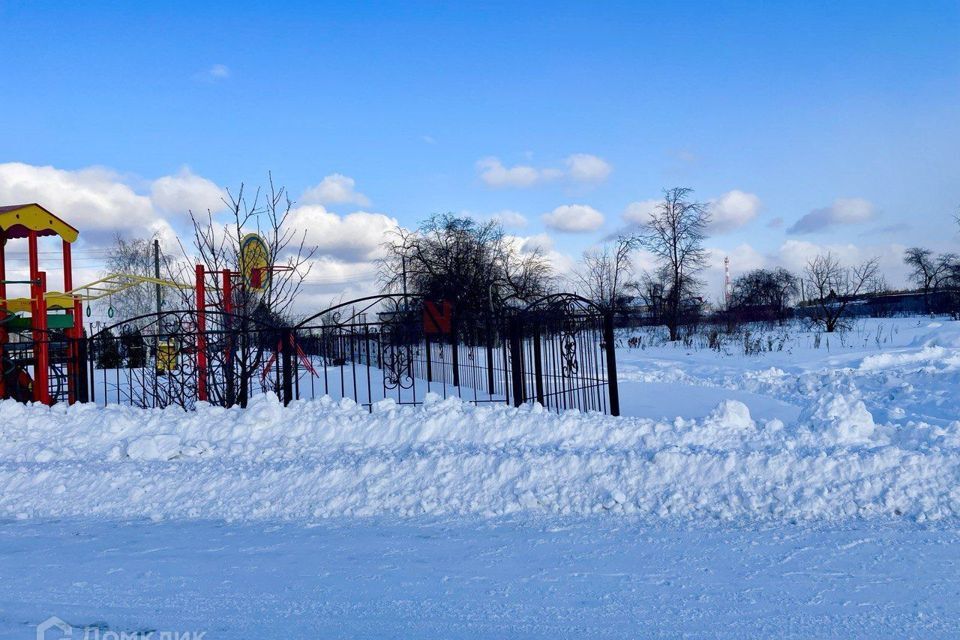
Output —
(156, 274)
(727, 286)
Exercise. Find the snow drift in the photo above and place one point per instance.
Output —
(325, 459)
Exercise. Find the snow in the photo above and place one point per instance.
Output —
(470, 578)
(321, 459)
(783, 492)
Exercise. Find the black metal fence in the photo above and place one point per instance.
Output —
(558, 351)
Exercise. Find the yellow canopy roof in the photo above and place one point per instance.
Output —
(16, 221)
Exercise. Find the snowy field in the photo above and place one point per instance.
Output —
(781, 484)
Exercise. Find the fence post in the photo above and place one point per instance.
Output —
(455, 351)
(201, 335)
(429, 362)
(82, 355)
(516, 360)
(286, 358)
(611, 353)
(490, 358)
(229, 379)
(537, 364)
(92, 364)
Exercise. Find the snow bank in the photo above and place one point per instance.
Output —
(324, 459)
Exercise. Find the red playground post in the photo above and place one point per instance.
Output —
(201, 336)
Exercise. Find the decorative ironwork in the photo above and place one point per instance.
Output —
(570, 366)
(397, 367)
(555, 351)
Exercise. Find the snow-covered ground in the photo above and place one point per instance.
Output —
(809, 489)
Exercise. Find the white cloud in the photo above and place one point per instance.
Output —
(581, 168)
(574, 218)
(355, 237)
(495, 174)
(584, 167)
(732, 210)
(795, 254)
(510, 218)
(101, 204)
(842, 211)
(541, 242)
(335, 189)
(639, 212)
(561, 264)
(214, 73)
(743, 258)
(94, 200)
(186, 191)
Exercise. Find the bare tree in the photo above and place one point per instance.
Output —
(675, 235)
(471, 264)
(603, 272)
(764, 294)
(833, 286)
(650, 290)
(258, 313)
(217, 247)
(134, 257)
(926, 271)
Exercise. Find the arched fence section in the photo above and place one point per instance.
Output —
(558, 351)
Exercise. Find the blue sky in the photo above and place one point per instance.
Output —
(798, 105)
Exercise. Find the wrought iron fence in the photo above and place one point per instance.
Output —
(557, 351)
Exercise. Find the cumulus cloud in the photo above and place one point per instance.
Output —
(744, 257)
(728, 212)
(510, 218)
(732, 210)
(574, 218)
(355, 237)
(102, 203)
(335, 189)
(561, 264)
(581, 168)
(541, 242)
(842, 211)
(94, 200)
(639, 212)
(186, 191)
(495, 174)
(584, 167)
(794, 255)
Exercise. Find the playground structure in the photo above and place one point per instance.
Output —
(42, 344)
(55, 363)
(222, 345)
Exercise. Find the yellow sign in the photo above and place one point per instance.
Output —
(255, 261)
(167, 356)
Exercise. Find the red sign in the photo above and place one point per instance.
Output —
(436, 319)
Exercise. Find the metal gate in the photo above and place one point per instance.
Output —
(558, 351)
